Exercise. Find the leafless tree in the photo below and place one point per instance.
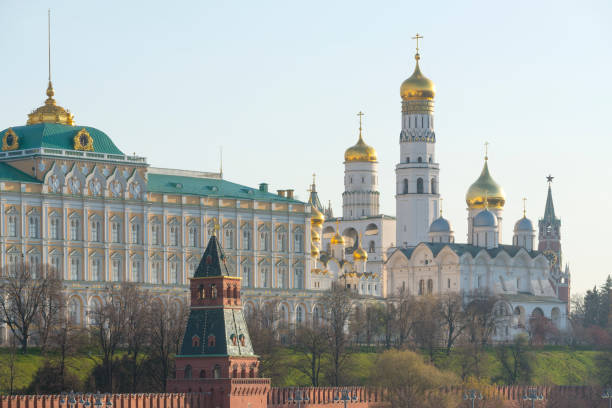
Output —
(405, 316)
(450, 309)
(310, 342)
(337, 305)
(8, 368)
(50, 312)
(108, 325)
(262, 322)
(137, 329)
(167, 327)
(481, 319)
(65, 340)
(24, 289)
(427, 329)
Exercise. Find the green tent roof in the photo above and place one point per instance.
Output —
(207, 187)
(10, 173)
(57, 136)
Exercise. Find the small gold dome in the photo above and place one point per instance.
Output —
(316, 218)
(314, 251)
(418, 86)
(361, 152)
(314, 236)
(337, 239)
(50, 112)
(360, 254)
(485, 191)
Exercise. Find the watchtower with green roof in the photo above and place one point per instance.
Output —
(217, 355)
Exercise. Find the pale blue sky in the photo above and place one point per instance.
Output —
(278, 84)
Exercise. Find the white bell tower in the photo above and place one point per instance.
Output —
(417, 174)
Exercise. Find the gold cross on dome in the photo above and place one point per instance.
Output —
(524, 206)
(486, 150)
(216, 227)
(417, 37)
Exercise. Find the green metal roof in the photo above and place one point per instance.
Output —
(207, 187)
(57, 136)
(10, 173)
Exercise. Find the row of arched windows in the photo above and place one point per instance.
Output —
(420, 186)
(422, 287)
(419, 159)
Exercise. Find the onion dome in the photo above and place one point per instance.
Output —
(361, 152)
(418, 86)
(314, 251)
(314, 236)
(485, 191)
(485, 218)
(360, 254)
(50, 112)
(337, 239)
(440, 224)
(316, 218)
(524, 224)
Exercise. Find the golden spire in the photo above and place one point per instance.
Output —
(360, 114)
(417, 37)
(524, 207)
(486, 145)
(50, 112)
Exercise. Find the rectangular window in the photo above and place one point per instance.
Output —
(75, 269)
(116, 270)
(135, 233)
(298, 243)
(229, 238)
(137, 271)
(173, 236)
(154, 234)
(95, 231)
(96, 269)
(74, 230)
(115, 232)
(246, 239)
(12, 226)
(193, 237)
(33, 227)
(54, 229)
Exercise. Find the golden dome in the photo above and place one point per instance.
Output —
(314, 236)
(314, 251)
(50, 112)
(361, 152)
(316, 218)
(360, 254)
(485, 192)
(418, 86)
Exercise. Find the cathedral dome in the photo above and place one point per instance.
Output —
(314, 251)
(314, 236)
(418, 86)
(317, 218)
(360, 254)
(524, 224)
(361, 152)
(337, 239)
(50, 112)
(440, 225)
(485, 218)
(485, 189)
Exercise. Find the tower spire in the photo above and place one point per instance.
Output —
(360, 114)
(549, 211)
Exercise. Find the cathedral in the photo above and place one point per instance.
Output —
(70, 198)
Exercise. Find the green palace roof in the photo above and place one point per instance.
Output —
(9, 173)
(57, 136)
(208, 187)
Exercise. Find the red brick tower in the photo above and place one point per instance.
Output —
(217, 357)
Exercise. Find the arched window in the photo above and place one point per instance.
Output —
(430, 159)
(188, 371)
(195, 341)
(299, 315)
(429, 286)
(372, 247)
(228, 292)
(407, 159)
(405, 189)
(433, 186)
(217, 371)
(421, 287)
(211, 341)
(420, 160)
(202, 373)
(419, 186)
(201, 293)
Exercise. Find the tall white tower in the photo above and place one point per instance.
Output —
(417, 174)
(361, 195)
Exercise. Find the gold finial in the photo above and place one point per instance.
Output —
(417, 37)
(486, 144)
(216, 227)
(524, 207)
(360, 114)
(314, 175)
(441, 200)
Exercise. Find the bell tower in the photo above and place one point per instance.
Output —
(417, 174)
(217, 356)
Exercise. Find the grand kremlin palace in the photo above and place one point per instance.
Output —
(70, 198)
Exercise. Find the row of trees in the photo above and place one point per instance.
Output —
(131, 337)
